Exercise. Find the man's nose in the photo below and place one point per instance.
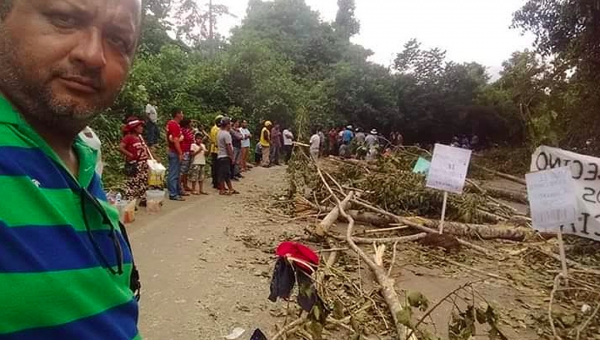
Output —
(90, 49)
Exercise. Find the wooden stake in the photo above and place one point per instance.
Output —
(563, 257)
(443, 212)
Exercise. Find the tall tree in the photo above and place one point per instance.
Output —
(346, 24)
(568, 32)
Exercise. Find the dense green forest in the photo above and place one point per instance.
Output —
(284, 61)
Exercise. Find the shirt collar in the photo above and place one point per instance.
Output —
(8, 114)
(86, 155)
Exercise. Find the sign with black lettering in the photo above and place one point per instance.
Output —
(585, 171)
(448, 169)
(552, 199)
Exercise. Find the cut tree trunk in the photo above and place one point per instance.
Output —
(371, 218)
(502, 175)
(458, 229)
(507, 195)
(486, 232)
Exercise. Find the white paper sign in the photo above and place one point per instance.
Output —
(585, 172)
(448, 169)
(552, 199)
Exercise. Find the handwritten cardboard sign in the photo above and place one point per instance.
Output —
(552, 198)
(585, 172)
(448, 169)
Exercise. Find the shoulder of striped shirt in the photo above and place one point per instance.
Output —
(23, 164)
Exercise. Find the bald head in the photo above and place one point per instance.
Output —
(65, 60)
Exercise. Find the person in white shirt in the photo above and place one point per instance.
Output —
(372, 143)
(288, 144)
(152, 132)
(89, 137)
(315, 145)
(246, 137)
(196, 174)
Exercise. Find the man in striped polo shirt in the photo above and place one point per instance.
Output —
(65, 266)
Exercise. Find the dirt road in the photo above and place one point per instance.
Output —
(206, 265)
(200, 281)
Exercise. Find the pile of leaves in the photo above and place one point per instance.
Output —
(526, 269)
(391, 184)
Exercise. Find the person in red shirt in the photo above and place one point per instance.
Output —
(174, 139)
(186, 144)
(136, 155)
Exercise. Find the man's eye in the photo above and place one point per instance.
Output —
(63, 20)
(119, 42)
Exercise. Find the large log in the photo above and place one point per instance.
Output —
(486, 232)
(498, 231)
(502, 175)
(371, 218)
(507, 195)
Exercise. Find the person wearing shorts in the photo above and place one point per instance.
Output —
(196, 174)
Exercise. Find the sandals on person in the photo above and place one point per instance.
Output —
(225, 193)
(234, 192)
(196, 193)
(203, 193)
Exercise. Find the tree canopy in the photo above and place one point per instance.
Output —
(284, 59)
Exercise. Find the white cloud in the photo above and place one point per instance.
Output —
(469, 30)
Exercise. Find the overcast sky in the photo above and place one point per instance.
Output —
(469, 30)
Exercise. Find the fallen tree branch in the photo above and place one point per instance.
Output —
(571, 263)
(552, 293)
(364, 240)
(507, 195)
(333, 215)
(482, 231)
(291, 327)
(387, 284)
(439, 303)
(502, 175)
(464, 266)
(454, 228)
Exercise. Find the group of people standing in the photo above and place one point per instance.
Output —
(230, 145)
(349, 141)
(227, 144)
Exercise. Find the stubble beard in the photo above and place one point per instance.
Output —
(34, 99)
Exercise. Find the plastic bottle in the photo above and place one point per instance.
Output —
(118, 197)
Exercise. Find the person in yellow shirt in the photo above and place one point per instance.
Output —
(214, 150)
(265, 138)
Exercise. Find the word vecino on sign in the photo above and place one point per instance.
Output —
(585, 171)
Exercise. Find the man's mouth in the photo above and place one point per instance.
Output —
(80, 84)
